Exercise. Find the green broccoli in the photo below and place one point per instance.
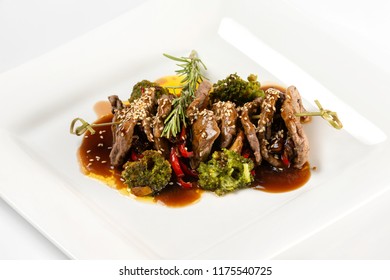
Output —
(139, 87)
(149, 175)
(225, 172)
(237, 90)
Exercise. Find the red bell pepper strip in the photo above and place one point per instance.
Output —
(184, 152)
(246, 153)
(135, 156)
(174, 159)
(285, 160)
(183, 143)
(184, 184)
(183, 134)
(187, 170)
(175, 163)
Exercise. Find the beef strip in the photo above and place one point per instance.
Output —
(226, 115)
(200, 102)
(297, 103)
(140, 110)
(292, 105)
(268, 109)
(249, 128)
(123, 135)
(282, 139)
(164, 108)
(238, 142)
(145, 111)
(205, 131)
(116, 106)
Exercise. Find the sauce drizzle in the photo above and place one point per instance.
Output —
(94, 157)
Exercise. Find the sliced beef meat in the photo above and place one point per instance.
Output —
(123, 139)
(297, 103)
(283, 142)
(249, 128)
(271, 141)
(144, 111)
(116, 103)
(116, 107)
(292, 105)
(226, 115)
(138, 112)
(200, 102)
(238, 142)
(164, 108)
(205, 131)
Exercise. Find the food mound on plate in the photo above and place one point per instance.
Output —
(218, 137)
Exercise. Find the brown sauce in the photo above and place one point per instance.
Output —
(94, 156)
(273, 180)
(175, 196)
(95, 162)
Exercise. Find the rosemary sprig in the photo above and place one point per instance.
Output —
(192, 75)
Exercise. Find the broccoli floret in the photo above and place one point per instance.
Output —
(225, 172)
(151, 173)
(139, 87)
(237, 90)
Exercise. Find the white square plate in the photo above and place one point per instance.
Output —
(40, 175)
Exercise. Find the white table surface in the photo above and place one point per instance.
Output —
(31, 28)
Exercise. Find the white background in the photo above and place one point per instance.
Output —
(31, 28)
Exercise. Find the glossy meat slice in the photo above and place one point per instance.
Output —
(291, 105)
(122, 133)
(226, 115)
(139, 111)
(164, 108)
(297, 103)
(116, 107)
(200, 102)
(238, 142)
(282, 139)
(265, 133)
(205, 131)
(249, 128)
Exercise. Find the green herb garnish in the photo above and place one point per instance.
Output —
(192, 75)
